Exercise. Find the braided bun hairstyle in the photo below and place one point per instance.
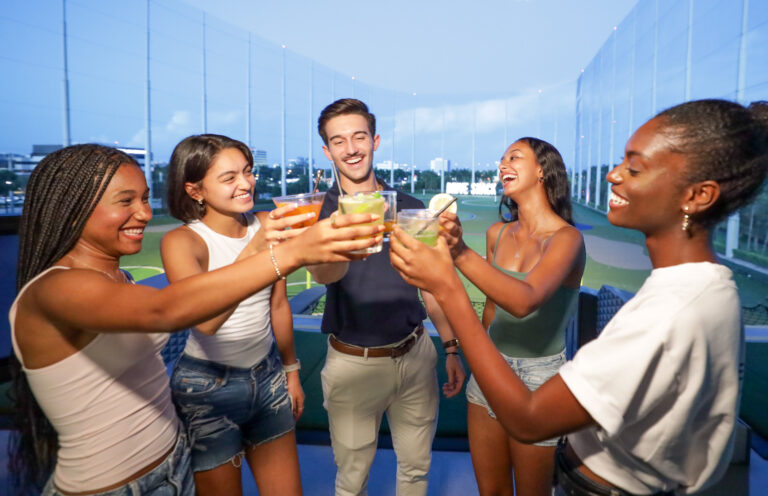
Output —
(723, 142)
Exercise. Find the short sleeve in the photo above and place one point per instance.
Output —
(626, 373)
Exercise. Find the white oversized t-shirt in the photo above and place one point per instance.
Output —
(662, 383)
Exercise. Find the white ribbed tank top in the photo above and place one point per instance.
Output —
(246, 337)
(110, 404)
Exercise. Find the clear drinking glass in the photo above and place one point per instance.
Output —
(420, 224)
(390, 212)
(372, 202)
(307, 202)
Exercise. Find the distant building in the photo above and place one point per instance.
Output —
(15, 162)
(259, 158)
(440, 164)
(388, 165)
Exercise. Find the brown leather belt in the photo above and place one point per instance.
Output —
(377, 352)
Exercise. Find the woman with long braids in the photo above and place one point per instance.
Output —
(88, 340)
(649, 406)
(530, 276)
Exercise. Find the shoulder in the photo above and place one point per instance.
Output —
(492, 234)
(567, 234)
(493, 231)
(182, 238)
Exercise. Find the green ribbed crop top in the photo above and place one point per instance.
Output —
(542, 332)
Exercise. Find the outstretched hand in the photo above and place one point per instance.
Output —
(273, 228)
(421, 265)
(451, 231)
(332, 239)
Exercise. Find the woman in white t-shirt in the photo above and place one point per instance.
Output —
(650, 405)
(236, 386)
(91, 392)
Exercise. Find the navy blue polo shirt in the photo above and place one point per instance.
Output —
(371, 305)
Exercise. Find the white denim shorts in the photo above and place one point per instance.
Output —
(532, 371)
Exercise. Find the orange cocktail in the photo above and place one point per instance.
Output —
(306, 203)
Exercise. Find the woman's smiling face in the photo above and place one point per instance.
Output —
(647, 186)
(518, 169)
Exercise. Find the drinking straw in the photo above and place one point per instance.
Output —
(437, 214)
(336, 178)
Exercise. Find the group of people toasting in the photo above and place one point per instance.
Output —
(648, 407)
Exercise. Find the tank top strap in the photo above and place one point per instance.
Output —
(496, 246)
(12, 311)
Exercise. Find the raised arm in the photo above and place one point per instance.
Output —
(562, 254)
(527, 416)
(100, 305)
(489, 309)
(185, 254)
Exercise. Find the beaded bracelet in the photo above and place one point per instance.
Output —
(293, 366)
(274, 262)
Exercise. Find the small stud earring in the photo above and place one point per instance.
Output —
(541, 179)
(200, 202)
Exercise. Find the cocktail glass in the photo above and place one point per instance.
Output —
(372, 202)
(306, 203)
(390, 212)
(421, 224)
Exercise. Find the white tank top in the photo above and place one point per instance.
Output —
(246, 337)
(110, 404)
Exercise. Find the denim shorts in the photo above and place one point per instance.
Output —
(172, 477)
(532, 371)
(227, 408)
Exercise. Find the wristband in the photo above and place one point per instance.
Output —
(451, 353)
(274, 263)
(293, 366)
(450, 343)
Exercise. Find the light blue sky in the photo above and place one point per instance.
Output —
(461, 60)
(437, 47)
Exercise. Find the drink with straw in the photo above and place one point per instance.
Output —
(306, 203)
(365, 203)
(421, 224)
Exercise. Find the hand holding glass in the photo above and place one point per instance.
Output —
(365, 203)
(305, 203)
(421, 224)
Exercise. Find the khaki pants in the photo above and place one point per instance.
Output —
(358, 391)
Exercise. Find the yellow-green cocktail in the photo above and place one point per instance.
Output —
(365, 203)
(421, 224)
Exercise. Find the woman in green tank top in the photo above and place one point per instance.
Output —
(531, 275)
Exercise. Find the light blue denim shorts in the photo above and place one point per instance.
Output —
(172, 477)
(532, 371)
(225, 409)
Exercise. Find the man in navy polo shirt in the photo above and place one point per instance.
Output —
(379, 358)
